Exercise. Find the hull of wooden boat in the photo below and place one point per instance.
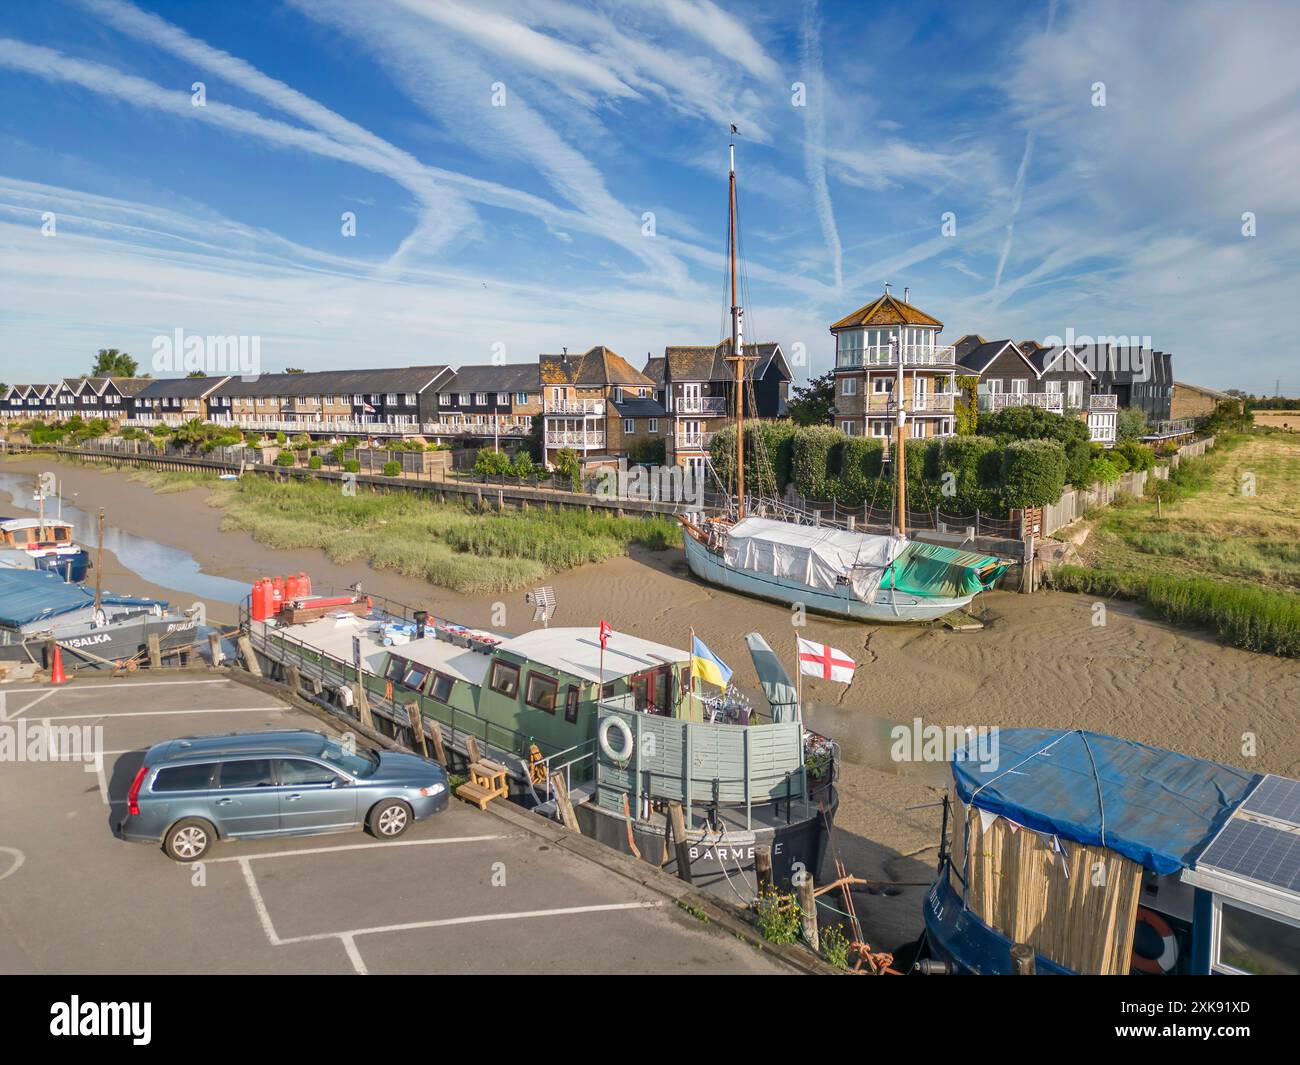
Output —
(889, 606)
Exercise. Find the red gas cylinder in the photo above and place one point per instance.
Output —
(290, 587)
(304, 585)
(277, 594)
(257, 601)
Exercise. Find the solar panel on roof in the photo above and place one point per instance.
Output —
(1276, 797)
(1256, 851)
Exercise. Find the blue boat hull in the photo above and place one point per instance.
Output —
(889, 606)
(71, 567)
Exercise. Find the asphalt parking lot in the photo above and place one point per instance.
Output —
(465, 892)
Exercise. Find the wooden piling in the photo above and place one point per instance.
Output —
(155, 651)
(434, 731)
(215, 653)
(417, 726)
(808, 911)
(682, 845)
(763, 866)
(247, 656)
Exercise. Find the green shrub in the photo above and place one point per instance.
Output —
(769, 454)
(352, 465)
(491, 462)
(281, 439)
(315, 462)
(1033, 473)
(1116, 458)
(811, 465)
(1035, 423)
(1138, 456)
(1130, 424)
(568, 467)
(975, 465)
(523, 465)
(285, 458)
(392, 468)
(1102, 470)
(647, 452)
(336, 456)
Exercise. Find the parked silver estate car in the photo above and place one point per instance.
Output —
(243, 785)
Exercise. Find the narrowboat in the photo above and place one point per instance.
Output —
(618, 718)
(1106, 856)
(98, 628)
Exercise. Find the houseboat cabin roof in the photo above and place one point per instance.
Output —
(29, 595)
(1155, 807)
(446, 658)
(576, 651)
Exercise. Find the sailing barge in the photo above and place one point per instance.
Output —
(1104, 856)
(833, 571)
(621, 725)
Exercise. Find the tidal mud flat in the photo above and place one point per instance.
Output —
(1039, 661)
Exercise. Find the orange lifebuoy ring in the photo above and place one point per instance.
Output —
(1168, 956)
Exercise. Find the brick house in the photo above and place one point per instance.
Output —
(581, 396)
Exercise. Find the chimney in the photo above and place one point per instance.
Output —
(888, 286)
(906, 293)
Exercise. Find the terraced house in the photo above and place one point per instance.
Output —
(596, 404)
(870, 345)
(1029, 374)
(380, 402)
(698, 389)
(174, 401)
(489, 402)
(84, 397)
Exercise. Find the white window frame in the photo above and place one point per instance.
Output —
(629, 426)
(882, 385)
(654, 425)
(848, 386)
(480, 399)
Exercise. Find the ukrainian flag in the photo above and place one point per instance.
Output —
(707, 666)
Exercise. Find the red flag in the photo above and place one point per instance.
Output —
(605, 633)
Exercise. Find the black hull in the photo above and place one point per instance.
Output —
(799, 842)
(114, 644)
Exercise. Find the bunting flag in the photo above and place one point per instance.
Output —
(707, 666)
(822, 660)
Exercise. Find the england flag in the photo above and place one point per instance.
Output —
(828, 663)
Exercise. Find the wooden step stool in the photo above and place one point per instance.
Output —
(487, 782)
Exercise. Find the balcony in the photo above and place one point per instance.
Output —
(693, 441)
(887, 355)
(579, 441)
(883, 403)
(995, 401)
(1096, 402)
(700, 405)
(574, 406)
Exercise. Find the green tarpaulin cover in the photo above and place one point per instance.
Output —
(927, 569)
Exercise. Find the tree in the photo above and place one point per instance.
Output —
(1130, 424)
(1035, 423)
(113, 363)
(292, 369)
(814, 403)
(196, 373)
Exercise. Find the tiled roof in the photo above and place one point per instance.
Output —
(180, 387)
(654, 368)
(511, 377)
(886, 310)
(338, 382)
(977, 359)
(640, 408)
(599, 366)
(700, 362)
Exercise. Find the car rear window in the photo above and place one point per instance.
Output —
(248, 773)
(185, 777)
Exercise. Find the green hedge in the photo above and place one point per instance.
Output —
(1034, 423)
(975, 463)
(1033, 473)
(1138, 456)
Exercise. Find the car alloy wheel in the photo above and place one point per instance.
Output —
(392, 820)
(189, 842)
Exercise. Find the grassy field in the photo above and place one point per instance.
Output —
(445, 544)
(1221, 551)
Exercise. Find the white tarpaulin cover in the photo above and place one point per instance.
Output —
(816, 557)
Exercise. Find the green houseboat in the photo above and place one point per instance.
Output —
(623, 725)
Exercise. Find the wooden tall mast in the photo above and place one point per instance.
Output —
(899, 437)
(737, 355)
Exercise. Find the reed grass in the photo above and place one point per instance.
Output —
(445, 544)
(1253, 618)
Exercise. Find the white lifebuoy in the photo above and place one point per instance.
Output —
(1169, 945)
(602, 735)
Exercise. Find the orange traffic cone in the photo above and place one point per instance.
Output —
(57, 676)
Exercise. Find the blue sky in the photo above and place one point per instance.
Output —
(515, 229)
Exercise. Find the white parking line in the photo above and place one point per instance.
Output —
(354, 955)
(362, 846)
(4, 716)
(87, 689)
(168, 713)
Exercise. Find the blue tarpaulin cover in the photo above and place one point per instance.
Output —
(28, 595)
(1151, 805)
